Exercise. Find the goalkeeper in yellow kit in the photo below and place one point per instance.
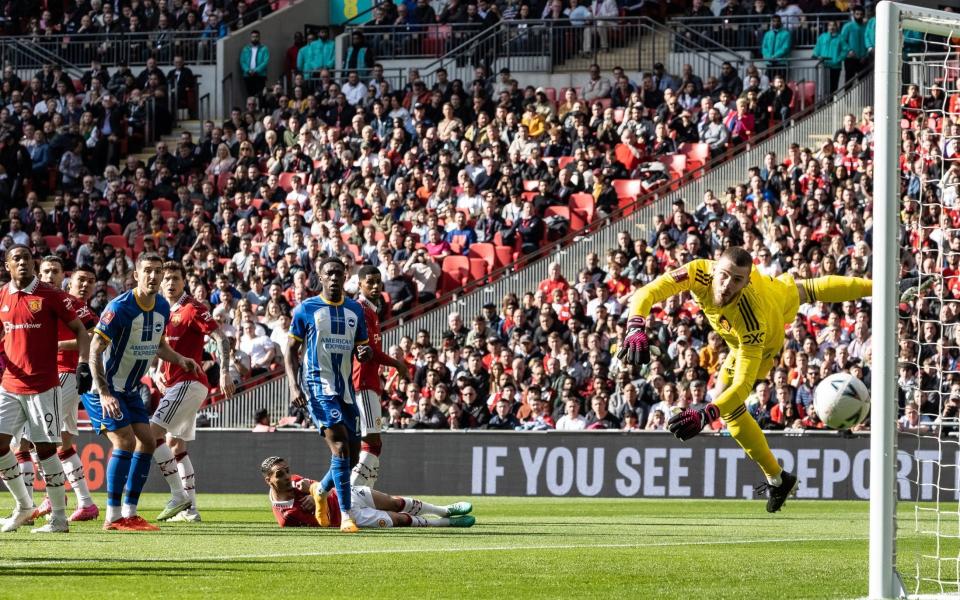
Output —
(749, 311)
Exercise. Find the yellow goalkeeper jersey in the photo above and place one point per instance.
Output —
(752, 324)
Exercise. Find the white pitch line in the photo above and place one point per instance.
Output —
(59, 561)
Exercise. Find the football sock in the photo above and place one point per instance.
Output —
(414, 507)
(748, 434)
(139, 471)
(13, 478)
(118, 470)
(164, 458)
(834, 288)
(27, 470)
(56, 485)
(73, 469)
(187, 478)
(367, 469)
(341, 480)
(326, 484)
(424, 522)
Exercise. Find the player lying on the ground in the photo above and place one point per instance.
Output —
(749, 311)
(300, 502)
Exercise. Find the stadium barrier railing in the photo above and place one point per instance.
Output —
(78, 49)
(745, 32)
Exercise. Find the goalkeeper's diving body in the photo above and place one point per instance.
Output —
(749, 311)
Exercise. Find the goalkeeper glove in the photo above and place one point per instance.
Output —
(84, 378)
(689, 422)
(635, 349)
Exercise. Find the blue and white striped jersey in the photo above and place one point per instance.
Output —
(329, 331)
(134, 333)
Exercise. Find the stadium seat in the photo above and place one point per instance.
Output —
(584, 205)
(551, 94)
(564, 161)
(627, 188)
(504, 255)
(285, 180)
(697, 154)
(531, 185)
(53, 241)
(558, 211)
(485, 251)
(117, 241)
(455, 273)
(478, 268)
(618, 114)
(114, 228)
(166, 214)
(162, 204)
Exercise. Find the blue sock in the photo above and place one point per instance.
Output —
(326, 484)
(139, 471)
(341, 479)
(118, 468)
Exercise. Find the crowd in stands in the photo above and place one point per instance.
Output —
(110, 19)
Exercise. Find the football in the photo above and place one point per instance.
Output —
(842, 401)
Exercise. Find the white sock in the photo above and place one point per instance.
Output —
(36, 465)
(412, 507)
(775, 481)
(366, 471)
(129, 510)
(163, 456)
(73, 469)
(113, 513)
(55, 480)
(187, 478)
(13, 478)
(424, 522)
(29, 473)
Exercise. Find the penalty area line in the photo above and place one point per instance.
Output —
(221, 558)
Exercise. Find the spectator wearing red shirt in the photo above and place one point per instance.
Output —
(630, 151)
(556, 281)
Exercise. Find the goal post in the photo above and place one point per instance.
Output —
(893, 19)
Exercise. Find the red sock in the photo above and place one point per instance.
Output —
(24, 457)
(67, 453)
(373, 448)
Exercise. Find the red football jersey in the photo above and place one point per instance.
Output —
(366, 376)
(67, 359)
(30, 318)
(189, 322)
(291, 513)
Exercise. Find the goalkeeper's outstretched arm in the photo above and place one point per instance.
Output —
(661, 288)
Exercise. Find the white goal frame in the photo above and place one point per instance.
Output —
(892, 19)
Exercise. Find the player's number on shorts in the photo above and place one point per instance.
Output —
(161, 410)
(48, 417)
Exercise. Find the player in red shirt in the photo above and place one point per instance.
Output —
(30, 312)
(367, 383)
(301, 502)
(174, 422)
(81, 288)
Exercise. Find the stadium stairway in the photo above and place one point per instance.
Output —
(659, 42)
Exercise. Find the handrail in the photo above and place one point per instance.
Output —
(805, 27)
(620, 212)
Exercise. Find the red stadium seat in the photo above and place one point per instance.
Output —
(485, 251)
(478, 268)
(584, 205)
(455, 273)
(117, 241)
(558, 211)
(551, 94)
(675, 163)
(531, 185)
(53, 241)
(697, 154)
(627, 188)
(162, 204)
(114, 228)
(504, 255)
(564, 161)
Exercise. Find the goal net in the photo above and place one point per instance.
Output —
(915, 479)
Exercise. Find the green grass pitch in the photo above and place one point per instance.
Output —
(520, 548)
